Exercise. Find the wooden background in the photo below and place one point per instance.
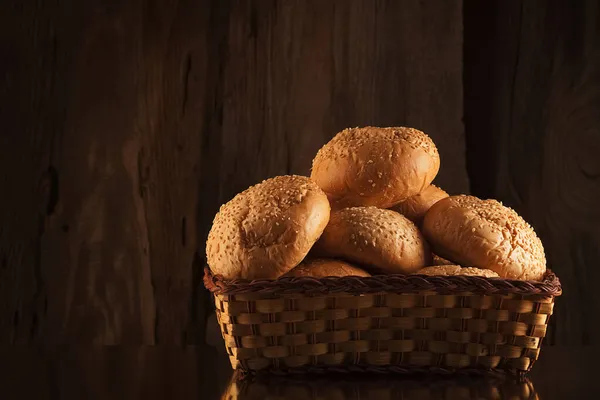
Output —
(125, 124)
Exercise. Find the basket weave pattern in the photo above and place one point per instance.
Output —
(391, 323)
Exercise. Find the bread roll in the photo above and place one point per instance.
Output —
(375, 166)
(450, 270)
(415, 207)
(265, 231)
(437, 260)
(322, 267)
(485, 234)
(383, 241)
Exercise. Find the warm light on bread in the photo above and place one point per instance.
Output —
(485, 234)
(415, 207)
(387, 218)
(383, 241)
(409, 278)
(323, 267)
(437, 260)
(268, 229)
(373, 166)
(452, 270)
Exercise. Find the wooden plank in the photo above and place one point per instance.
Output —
(100, 150)
(35, 77)
(533, 86)
(174, 100)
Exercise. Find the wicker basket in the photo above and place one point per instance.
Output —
(354, 387)
(387, 323)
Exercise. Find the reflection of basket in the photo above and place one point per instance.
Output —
(391, 323)
(378, 387)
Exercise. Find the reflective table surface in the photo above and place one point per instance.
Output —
(203, 372)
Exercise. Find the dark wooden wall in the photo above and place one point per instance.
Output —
(532, 119)
(124, 126)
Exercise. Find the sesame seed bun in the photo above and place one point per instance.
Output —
(382, 241)
(451, 270)
(373, 166)
(437, 260)
(268, 229)
(415, 207)
(321, 267)
(485, 234)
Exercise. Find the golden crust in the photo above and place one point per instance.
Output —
(383, 241)
(437, 260)
(373, 166)
(415, 207)
(485, 234)
(266, 230)
(322, 267)
(452, 270)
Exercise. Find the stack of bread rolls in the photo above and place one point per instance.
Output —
(368, 208)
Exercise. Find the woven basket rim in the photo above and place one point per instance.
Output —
(394, 283)
(350, 373)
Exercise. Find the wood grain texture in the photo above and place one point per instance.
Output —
(102, 105)
(297, 72)
(533, 91)
(125, 125)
